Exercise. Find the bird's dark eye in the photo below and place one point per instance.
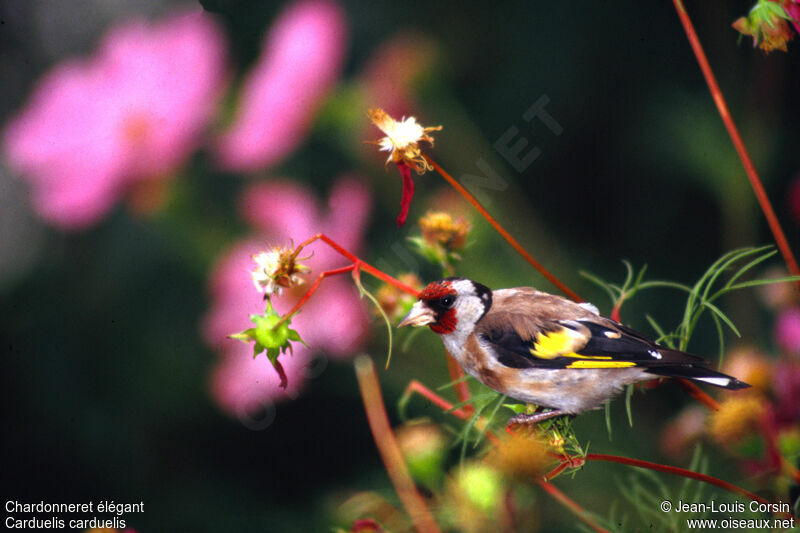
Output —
(448, 301)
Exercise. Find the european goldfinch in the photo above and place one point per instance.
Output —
(546, 350)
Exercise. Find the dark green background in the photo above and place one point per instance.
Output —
(105, 375)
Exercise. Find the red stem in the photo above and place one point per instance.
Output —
(463, 412)
(390, 451)
(570, 504)
(435, 399)
(676, 471)
(738, 143)
(503, 233)
(356, 267)
(457, 374)
(313, 289)
(698, 394)
(366, 267)
(557, 470)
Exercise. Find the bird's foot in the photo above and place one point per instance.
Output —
(535, 418)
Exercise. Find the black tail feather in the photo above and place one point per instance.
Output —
(696, 373)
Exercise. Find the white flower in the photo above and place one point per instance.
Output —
(275, 269)
(402, 139)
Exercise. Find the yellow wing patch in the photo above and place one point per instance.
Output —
(601, 364)
(561, 343)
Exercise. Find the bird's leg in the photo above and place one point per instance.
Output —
(534, 418)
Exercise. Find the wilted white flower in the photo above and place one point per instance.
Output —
(276, 268)
(402, 139)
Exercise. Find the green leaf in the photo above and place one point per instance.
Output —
(628, 396)
(244, 336)
(270, 334)
(776, 9)
(364, 292)
(516, 408)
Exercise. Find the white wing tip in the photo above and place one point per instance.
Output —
(719, 382)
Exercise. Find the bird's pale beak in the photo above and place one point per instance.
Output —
(420, 315)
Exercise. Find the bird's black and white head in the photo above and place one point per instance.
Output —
(450, 305)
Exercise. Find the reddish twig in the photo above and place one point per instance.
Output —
(557, 470)
(457, 375)
(390, 451)
(363, 265)
(675, 470)
(738, 143)
(416, 387)
(463, 413)
(570, 504)
(357, 266)
(501, 230)
(313, 289)
(698, 394)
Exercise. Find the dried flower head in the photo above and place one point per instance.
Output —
(394, 302)
(750, 365)
(277, 268)
(737, 417)
(521, 456)
(440, 228)
(767, 24)
(402, 139)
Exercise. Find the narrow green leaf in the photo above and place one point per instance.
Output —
(628, 396)
(600, 283)
(364, 292)
(723, 317)
(742, 271)
(760, 282)
(489, 419)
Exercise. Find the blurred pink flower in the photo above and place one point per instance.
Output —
(301, 58)
(787, 330)
(793, 196)
(333, 321)
(786, 384)
(792, 8)
(134, 110)
(391, 72)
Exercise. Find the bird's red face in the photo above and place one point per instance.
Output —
(440, 296)
(434, 308)
(449, 305)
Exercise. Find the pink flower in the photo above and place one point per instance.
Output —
(333, 321)
(134, 110)
(391, 72)
(302, 57)
(793, 197)
(787, 330)
(786, 384)
(792, 8)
